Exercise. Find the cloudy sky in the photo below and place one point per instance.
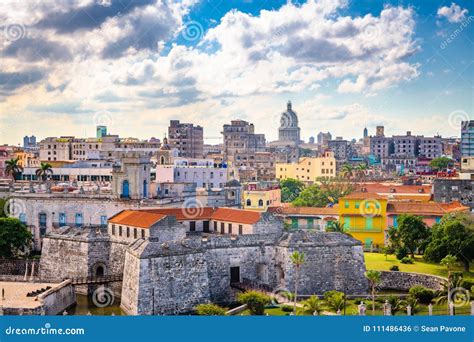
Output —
(66, 66)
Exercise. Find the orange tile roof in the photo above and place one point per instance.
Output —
(393, 188)
(185, 214)
(136, 218)
(364, 195)
(304, 210)
(236, 215)
(424, 208)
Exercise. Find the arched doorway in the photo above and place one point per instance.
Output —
(280, 276)
(98, 270)
(125, 189)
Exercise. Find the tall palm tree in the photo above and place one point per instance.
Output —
(12, 168)
(347, 171)
(374, 278)
(44, 170)
(297, 259)
(449, 261)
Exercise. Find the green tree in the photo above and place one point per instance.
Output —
(14, 237)
(335, 301)
(13, 168)
(396, 303)
(44, 171)
(412, 232)
(453, 235)
(255, 301)
(360, 171)
(210, 310)
(324, 192)
(374, 278)
(312, 304)
(290, 189)
(441, 163)
(297, 259)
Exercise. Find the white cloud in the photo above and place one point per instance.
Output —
(453, 13)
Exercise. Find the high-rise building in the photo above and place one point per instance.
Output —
(341, 149)
(240, 138)
(323, 138)
(29, 142)
(101, 131)
(380, 131)
(467, 138)
(186, 138)
(366, 132)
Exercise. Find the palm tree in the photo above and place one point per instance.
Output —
(311, 305)
(44, 170)
(297, 259)
(12, 168)
(347, 171)
(374, 278)
(335, 226)
(360, 170)
(396, 304)
(449, 261)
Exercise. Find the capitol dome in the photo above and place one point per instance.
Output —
(289, 118)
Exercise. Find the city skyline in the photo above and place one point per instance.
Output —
(344, 65)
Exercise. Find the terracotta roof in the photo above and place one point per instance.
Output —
(364, 195)
(185, 214)
(136, 218)
(424, 208)
(304, 210)
(393, 188)
(236, 215)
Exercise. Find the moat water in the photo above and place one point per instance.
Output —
(85, 306)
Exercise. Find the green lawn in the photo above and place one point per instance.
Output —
(378, 261)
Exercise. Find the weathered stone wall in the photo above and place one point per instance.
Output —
(392, 280)
(130, 283)
(58, 299)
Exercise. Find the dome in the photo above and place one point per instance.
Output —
(289, 119)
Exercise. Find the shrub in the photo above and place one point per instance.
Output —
(334, 299)
(330, 294)
(210, 310)
(401, 253)
(255, 301)
(407, 260)
(286, 308)
(394, 268)
(422, 294)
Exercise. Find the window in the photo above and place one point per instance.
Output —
(103, 221)
(215, 226)
(294, 223)
(249, 203)
(120, 230)
(192, 226)
(310, 222)
(346, 204)
(135, 233)
(230, 228)
(222, 228)
(22, 218)
(113, 229)
(241, 229)
(260, 203)
(128, 232)
(143, 233)
(347, 222)
(357, 205)
(369, 222)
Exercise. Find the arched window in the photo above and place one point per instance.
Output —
(260, 203)
(162, 160)
(145, 189)
(249, 203)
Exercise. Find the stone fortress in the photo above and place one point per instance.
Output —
(167, 269)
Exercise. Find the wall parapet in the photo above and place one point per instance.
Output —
(394, 280)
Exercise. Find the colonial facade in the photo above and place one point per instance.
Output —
(308, 170)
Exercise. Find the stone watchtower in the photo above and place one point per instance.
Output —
(289, 130)
(131, 178)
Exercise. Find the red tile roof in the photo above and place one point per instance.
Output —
(304, 210)
(185, 214)
(136, 218)
(364, 195)
(236, 215)
(424, 208)
(385, 188)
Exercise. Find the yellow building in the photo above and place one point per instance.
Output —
(261, 199)
(308, 169)
(364, 216)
